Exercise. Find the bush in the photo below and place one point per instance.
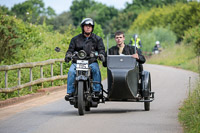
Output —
(16, 35)
(148, 38)
(192, 37)
(179, 17)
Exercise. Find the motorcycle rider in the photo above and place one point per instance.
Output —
(157, 48)
(89, 42)
(122, 49)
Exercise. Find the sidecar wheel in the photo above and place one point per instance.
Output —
(81, 101)
(146, 104)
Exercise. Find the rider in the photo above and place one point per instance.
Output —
(122, 49)
(138, 41)
(89, 42)
(157, 47)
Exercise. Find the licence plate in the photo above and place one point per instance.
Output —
(82, 64)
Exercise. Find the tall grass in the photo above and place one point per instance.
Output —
(180, 56)
(183, 56)
(189, 114)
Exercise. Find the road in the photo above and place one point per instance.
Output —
(51, 114)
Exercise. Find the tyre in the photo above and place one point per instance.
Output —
(147, 104)
(81, 100)
(87, 108)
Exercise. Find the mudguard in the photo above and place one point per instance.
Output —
(146, 84)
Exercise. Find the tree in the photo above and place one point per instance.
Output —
(61, 22)
(78, 9)
(32, 11)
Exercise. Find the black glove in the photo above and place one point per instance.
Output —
(101, 57)
(68, 58)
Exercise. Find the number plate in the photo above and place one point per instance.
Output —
(82, 64)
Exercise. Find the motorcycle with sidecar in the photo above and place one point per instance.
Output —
(125, 83)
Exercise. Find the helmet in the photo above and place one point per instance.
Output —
(87, 21)
(135, 36)
(157, 42)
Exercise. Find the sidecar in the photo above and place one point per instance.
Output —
(126, 83)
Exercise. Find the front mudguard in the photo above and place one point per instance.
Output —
(146, 84)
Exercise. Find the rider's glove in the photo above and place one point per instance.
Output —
(101, 57)
(68, 58)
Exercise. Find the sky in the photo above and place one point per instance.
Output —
(64, 5)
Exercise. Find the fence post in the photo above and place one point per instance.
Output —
(19, 78)
(31, 78)
(41, 73)
(51, 74)
(61, 68)
(6, 82)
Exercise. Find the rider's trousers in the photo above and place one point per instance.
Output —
(96, 74)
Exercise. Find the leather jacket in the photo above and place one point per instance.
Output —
(92, 43)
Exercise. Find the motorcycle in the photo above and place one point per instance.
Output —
(125, 83)
(84, 98)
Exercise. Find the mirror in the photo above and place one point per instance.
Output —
(57, 49)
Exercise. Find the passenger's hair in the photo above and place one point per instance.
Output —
(119, 33)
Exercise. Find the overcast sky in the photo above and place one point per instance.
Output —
(63, 5)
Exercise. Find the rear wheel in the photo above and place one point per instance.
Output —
(81, 100)
(147, 104)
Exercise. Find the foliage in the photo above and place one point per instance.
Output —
(181, 56)
(189, 114)
(101, 13)
(78, 8)
(120, 22)
(61, 22)
(179, 18)
(164, 35)
(32, 10)
(192, 37)
(16, 35)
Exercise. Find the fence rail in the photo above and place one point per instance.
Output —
(31, 65)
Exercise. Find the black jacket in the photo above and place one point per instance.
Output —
(128, 50)
(92, 43)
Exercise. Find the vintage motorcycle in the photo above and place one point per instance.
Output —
(125, 83)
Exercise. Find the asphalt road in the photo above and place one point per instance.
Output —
(52, 114)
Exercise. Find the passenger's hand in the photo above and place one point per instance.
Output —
(68, 58)
(101, 57)
(135, 56)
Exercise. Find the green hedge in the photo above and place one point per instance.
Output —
(179, 17)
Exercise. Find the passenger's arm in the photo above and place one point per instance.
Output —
(141, 57)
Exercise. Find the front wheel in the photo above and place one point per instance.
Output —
(81, 99)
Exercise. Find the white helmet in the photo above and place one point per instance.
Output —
(157, 42)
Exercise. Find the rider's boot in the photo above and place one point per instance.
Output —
(68, 97)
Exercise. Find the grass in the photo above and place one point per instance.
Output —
(180, 56)
(183, 56)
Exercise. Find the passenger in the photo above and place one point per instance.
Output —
(89, 42)
(122, 49)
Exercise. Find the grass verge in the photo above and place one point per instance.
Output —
(183, 56)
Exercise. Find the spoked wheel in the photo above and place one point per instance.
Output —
(81, 100)
(147, 104)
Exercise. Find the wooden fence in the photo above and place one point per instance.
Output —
(6, 68)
